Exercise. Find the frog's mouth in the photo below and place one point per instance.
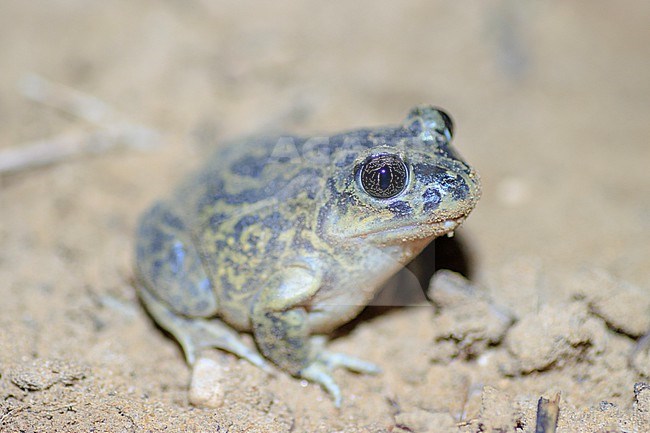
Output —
(412, 232)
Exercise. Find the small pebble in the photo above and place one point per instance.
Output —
(206, 387)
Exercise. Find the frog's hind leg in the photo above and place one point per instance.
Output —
(196, 334)
(176, 291)
(169, 266)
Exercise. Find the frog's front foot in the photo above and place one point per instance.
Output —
(319, 371)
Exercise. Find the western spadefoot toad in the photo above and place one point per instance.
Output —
(289, 237)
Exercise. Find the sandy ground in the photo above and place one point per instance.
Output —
(552, 106)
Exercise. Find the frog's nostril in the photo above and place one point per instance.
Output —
(432, 195)
(431, 199)
(460, 190)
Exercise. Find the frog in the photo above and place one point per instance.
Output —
(286, 238)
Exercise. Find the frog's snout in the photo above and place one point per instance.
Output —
(454, 192)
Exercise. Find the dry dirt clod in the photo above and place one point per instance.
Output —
(422, 421)
(553, 337)
(468, 321)
(624, 307)
(41, 375)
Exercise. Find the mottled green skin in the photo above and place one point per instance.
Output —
(277, 237)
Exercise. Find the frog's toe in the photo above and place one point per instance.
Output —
(213, 334)
(336, 360)
(320, 374)
(228, 343)
(208, 335)
(320, 371)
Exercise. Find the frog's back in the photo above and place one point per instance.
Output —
(254, 206)
(250, 178)
(248, 210)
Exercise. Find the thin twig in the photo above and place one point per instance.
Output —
(547, 414)
(78, 104)
(60, 148)
(115, 131)
(12, 412)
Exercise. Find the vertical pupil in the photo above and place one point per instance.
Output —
(385, 177)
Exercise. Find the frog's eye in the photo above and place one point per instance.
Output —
(383, 176)
(448, 130)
